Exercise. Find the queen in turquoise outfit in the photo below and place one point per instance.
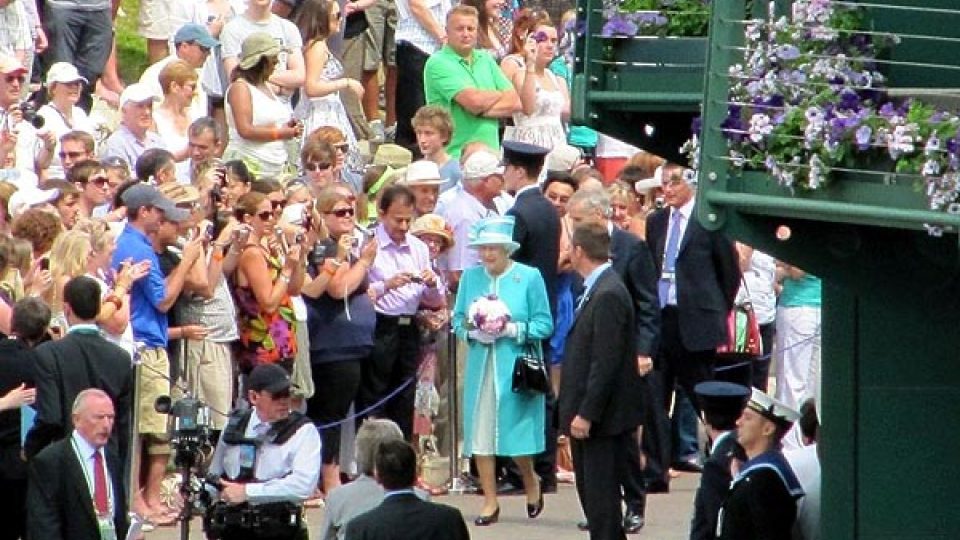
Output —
(498, 421)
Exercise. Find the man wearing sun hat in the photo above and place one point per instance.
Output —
(193, 44)
(134, 136)
(423, 178)
(762, 500)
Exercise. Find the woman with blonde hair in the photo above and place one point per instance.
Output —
(626, 212)
(172, 117)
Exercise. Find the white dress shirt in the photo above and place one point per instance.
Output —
(85, 452)
(287, 472)
(686, 212)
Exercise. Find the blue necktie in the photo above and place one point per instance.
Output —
(667, 273)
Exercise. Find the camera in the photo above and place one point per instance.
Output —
(190, 431)
(29, 111)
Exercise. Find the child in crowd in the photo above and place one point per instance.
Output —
(434, 128)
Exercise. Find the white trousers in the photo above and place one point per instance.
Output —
(797, 356)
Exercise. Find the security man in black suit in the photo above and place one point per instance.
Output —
(722, 403)
(537, 230)
(631, 260)
(600, 391)
(403, 515)
(82, 359)
(76, 489)
(699, 277)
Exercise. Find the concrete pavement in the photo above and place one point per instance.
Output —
(668, 516)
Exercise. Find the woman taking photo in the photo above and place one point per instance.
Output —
(178, 82)
(61, 114)
(498, 421)
(341, 319)
(257, 120)
(544, 100)
(320, 103)
(264, 280)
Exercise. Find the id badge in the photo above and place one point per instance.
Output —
(247, 459)
(107, 529)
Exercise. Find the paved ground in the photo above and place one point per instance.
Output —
(668, 516)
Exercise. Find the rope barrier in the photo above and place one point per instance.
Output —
(765, 357)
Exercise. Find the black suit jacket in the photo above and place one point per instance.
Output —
(65, 368)
(714, 485)
(600, 381)
(17, 365)
(59, 505)
(405, 516)
(707, 277)
(537, 230)
(631, 259)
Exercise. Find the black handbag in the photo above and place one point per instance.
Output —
(530, 371)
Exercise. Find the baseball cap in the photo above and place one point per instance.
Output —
(137, 93)
(64, 72)
(25, 198)
(257, 46)
(10, 65)
(193, 32)
(481, 164)
(140, 195)
(270, 378)
(562, 158)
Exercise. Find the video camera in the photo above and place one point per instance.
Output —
(190, 432)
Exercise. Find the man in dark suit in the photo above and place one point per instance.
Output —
(76, 489)
(402, 515)
(600, 391)
(537, 230)
(722, 403)
(18, 361)
(630, 258)
(80, 360)
(699, 277)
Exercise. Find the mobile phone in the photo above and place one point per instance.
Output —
(416, 279)
(209, 231)
(299, 238)
(45, 264)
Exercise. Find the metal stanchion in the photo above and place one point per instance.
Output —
(456, 484)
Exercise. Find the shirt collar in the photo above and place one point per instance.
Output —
(86, 449)
(526, 188)
(687, 209)
(129, 228)
(720, 438)
(84, 328)
(384, 239)
(594, 276)
(408, 491)
(255, 421)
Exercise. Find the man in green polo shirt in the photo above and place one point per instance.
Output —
(469, 83)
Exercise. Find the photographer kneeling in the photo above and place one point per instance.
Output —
(268, 460)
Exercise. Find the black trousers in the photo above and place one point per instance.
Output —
(761, 365)
(631, 474)
(678, 365)
(656, 436)
(393, 362)
(336, 385)
(595, 462)
(410, 92)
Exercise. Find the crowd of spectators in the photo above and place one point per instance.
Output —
(252, 205)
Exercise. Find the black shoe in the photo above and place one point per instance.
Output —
(689, 465)
(583, 525)
(632, 522)
(483, 521)
(533, 510)
(546, 487)
(658, 487)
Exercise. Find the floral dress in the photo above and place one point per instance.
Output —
(265, 337)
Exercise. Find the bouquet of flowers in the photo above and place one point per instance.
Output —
(488, 314)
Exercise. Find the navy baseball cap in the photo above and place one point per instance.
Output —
(269, 378)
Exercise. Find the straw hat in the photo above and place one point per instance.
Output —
(433, 224)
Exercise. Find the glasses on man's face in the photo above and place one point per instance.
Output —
(72, 155)
(342, 212)
(99, 181)
(313, 166)
(16, 79)
(266, 215)
(278, 205)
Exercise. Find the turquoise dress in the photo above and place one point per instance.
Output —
(496, 420)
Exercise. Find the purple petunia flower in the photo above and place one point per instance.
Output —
(863, 137)
(618, 25)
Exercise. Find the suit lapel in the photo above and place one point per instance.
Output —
(593, 292)
(79, 481)
(688, 232)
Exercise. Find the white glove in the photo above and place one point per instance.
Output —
(481, 336)
(510, 330)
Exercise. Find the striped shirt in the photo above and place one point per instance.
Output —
(411, 31)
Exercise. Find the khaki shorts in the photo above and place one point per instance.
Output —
(209, 376)
(152, 384)
(155, 21)
(378, 42)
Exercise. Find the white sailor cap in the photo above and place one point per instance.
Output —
(772, 409)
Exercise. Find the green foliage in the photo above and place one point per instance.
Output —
(131, 48)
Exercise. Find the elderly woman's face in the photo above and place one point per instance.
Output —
(434, 244)
(494, 258)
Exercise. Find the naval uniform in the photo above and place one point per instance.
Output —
(762, 501)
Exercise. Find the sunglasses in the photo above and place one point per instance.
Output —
(15, 78)
(315, 166)
(72, 155)
(342, 212)
(342, 146)
(265, 215)
(99, 181)
(277, 205)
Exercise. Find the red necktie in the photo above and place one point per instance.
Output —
(100, 485)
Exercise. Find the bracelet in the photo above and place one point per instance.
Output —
(115, 300)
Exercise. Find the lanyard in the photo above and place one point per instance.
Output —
(90, 481)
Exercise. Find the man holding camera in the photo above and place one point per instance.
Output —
(32, 148)
(268, 462)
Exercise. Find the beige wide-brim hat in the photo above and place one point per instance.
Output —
(422, 173)
(393, 155)
(433, 224)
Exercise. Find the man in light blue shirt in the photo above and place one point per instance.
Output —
(133, 137)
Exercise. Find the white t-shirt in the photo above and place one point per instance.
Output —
(282, 30)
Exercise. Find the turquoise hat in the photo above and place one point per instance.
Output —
(494, 231)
